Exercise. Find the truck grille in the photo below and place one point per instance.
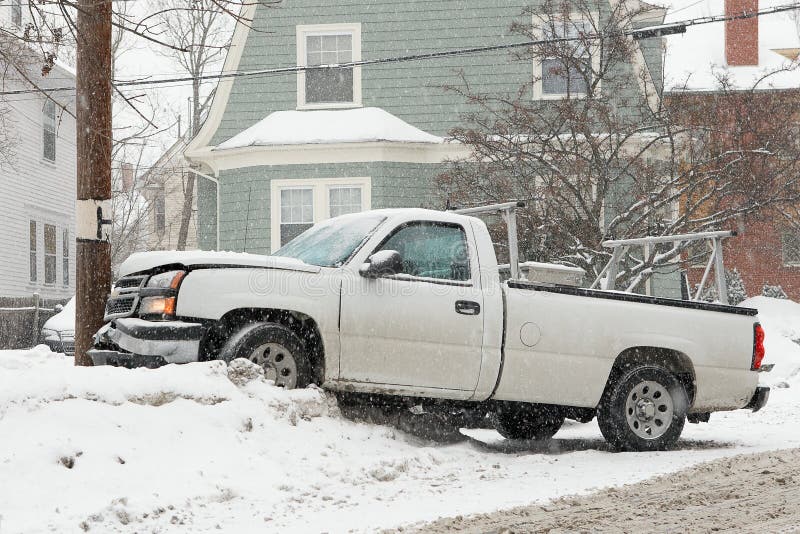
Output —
(124, 297)
(68, 347)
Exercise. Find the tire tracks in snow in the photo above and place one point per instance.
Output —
(745, 493)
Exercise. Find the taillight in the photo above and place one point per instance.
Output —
(758, 346)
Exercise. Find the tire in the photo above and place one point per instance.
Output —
(274, 347)
(528, 421)
(643, 409)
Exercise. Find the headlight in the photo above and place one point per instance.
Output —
(161, 306)
(159, 296)
(168, 280)
(46, 333)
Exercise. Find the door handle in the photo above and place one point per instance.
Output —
(467, 307)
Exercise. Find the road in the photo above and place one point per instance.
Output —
(746, 493)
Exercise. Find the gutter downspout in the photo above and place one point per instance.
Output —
(216, 183)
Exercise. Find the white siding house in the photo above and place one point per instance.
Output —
(38, 182)
(164, 187)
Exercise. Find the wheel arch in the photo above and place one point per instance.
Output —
(675, 361)
(303, 325)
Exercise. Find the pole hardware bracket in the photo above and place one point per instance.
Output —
(100, 222)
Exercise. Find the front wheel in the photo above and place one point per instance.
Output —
(278, 350)
(644, 409)
(528, 421)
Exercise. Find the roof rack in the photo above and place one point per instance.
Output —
(607, 277)
(509, 214)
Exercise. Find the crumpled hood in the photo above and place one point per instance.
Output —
(143, 261)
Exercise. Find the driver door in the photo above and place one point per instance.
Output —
(422, 327)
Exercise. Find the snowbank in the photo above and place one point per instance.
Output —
(361, 125)
(781, 321)
(205, 448)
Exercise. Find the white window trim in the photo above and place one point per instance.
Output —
(45, 255)
(320, 188)
(65, 247)
(326, 29)
(46, 126)
(34, 251)
(594, 52)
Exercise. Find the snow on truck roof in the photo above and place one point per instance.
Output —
(361, 125)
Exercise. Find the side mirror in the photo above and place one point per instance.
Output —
(382, 263)
(58, 308)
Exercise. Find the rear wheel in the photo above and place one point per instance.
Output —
(644, 409)
(528, 421)
(278, 350)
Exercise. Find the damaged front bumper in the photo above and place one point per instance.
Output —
(138, 343)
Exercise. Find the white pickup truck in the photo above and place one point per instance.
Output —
(409, 305)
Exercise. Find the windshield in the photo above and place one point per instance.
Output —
(332, 242)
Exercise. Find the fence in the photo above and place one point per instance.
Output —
(22, 318)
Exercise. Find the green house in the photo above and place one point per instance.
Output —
(280, 151)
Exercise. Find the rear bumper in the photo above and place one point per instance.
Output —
(759, 400)
(138, 343)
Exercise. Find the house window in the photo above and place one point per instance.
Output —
(790, 245)
(344, 200)
(65, 257)
(298, 204)
(329, 44)
(297, 212)
(49, 254)
(16, 13)
(33, 251)
(49, 131)
(160, 212)
(566, 69)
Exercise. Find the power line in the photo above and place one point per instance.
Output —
(637, 34)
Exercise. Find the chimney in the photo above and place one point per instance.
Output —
(127, 177)
(741, 35)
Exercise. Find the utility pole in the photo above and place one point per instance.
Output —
(94, 143)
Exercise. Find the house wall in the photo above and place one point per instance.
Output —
(412, 91)
(32, 188)
(245, 208)
(757, 253)
(173, 179)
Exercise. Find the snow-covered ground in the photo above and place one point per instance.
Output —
(198, 448)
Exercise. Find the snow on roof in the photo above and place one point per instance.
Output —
(695, 60)
(360, 125)
(66, 67)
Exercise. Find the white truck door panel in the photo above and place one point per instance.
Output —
(408, 333)
(422, 328)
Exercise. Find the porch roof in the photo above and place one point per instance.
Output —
(361, 125)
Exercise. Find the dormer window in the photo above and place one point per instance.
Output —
(329, 44)
(564, 69)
